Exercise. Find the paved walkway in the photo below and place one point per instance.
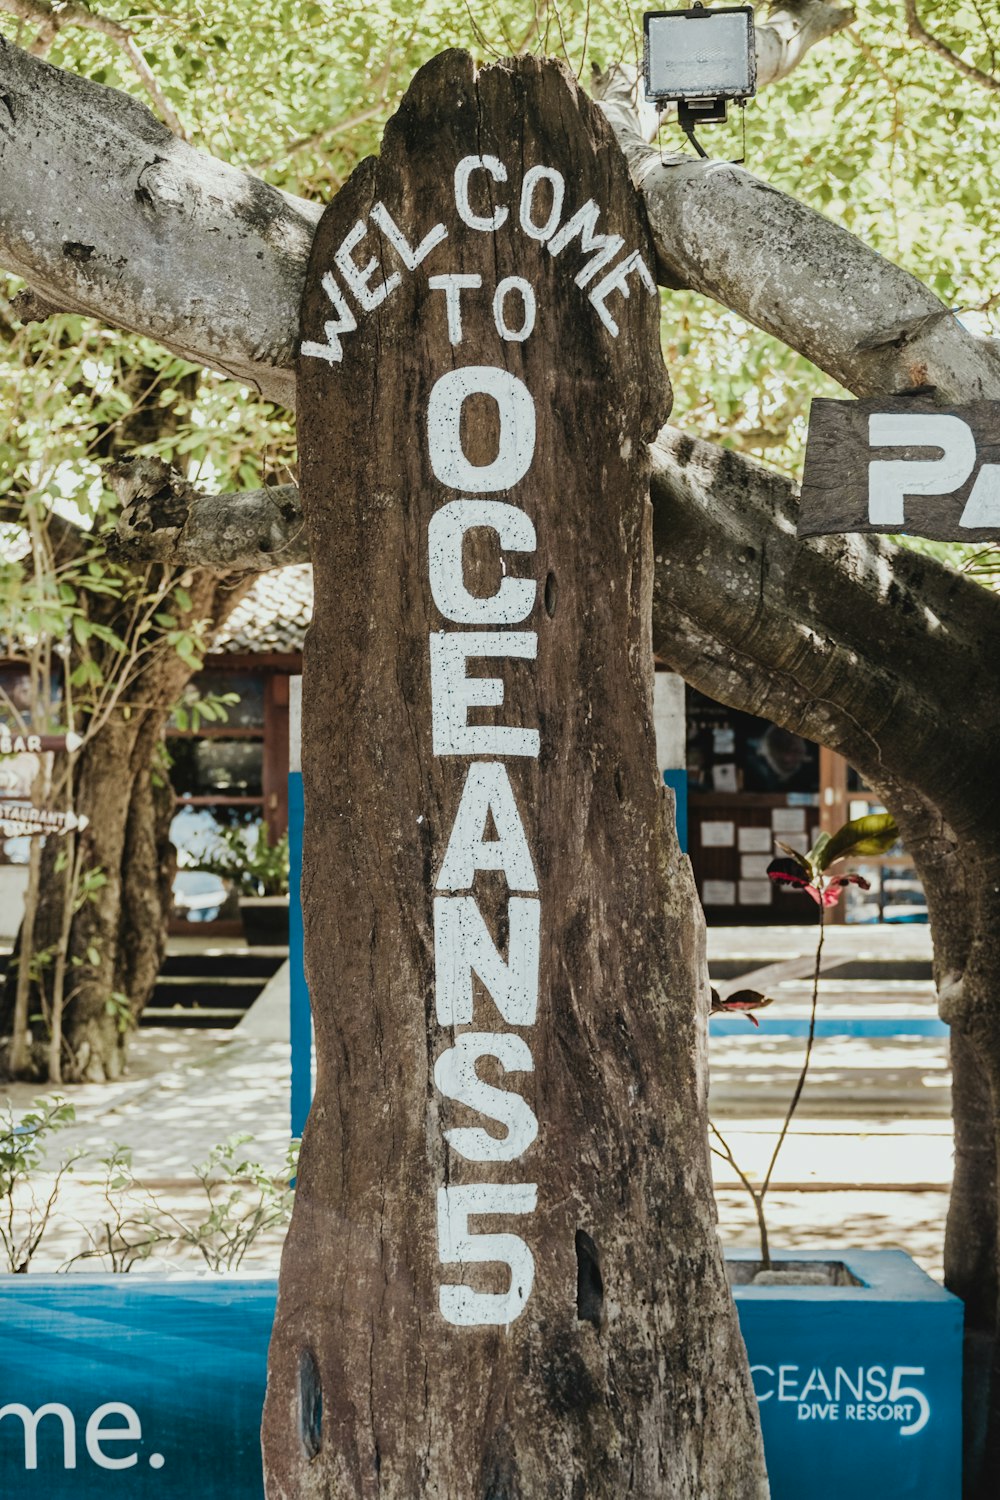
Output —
(867, 1162)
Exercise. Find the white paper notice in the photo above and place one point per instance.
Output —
(789, 820)
(718, 893)
(724, 778)
(755, 892)
(724, 741)
(756, 841)
(718, 835)
(754, 866)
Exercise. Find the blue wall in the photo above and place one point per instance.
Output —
(301, 1021)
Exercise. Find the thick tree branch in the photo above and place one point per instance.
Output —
(165, 519)
(52, 15)
(918, 31)
(723, 232)
(791, 29)
(142, 230)
(106, 212)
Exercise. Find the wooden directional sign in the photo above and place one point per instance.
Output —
(903, 466)
(13, 742)
(502, 1100)
(21, 820)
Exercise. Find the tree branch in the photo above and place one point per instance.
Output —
(165, 519)
(52, 17)
(919, 33)
(131, 226)
(791, 29)
(716, 229)
(105, 212)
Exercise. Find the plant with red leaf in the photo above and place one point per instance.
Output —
(872, 835)
(869, 836)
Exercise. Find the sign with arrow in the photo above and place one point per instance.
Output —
(12, 742)
(903, 466)
(20, 820)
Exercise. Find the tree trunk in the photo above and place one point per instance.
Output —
(117, 937)
(606, 1359)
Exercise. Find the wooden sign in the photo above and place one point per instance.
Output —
(21, 820)
(903, 466)
(13, 742)
(482, 1291)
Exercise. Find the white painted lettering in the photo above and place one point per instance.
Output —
(983, 505)
(532, 178)
(526, 292)
(456, 1077)
(410, 255)
(96, 1434)
(816, 1381)
(487, 793)
(453, 286)
(841, 1377)
(584, 224)
(457, 1245)
(515, 597)
(332, 351)
(463, 946)
(890, 481)
(359, 278)
(517, 429)
(30, 1420)
(464, 170)
(453, 693)
(617, 281)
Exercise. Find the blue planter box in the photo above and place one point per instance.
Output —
(860, 1386)
(150, 1387)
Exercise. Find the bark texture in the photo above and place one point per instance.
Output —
(624, 1373)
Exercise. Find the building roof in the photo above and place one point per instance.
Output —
(273, 617)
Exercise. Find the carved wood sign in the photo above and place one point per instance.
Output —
(486, 866)
(903, 466)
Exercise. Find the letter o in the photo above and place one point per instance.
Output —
(508, 285)
(531, 181)
(444, 429)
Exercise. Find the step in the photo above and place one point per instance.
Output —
(193, 1015)
(244, 962)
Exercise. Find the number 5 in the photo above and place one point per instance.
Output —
(463, 1305)
(899, 1392)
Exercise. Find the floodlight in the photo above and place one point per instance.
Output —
(699, 59)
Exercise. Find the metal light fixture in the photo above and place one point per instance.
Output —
(699, 59)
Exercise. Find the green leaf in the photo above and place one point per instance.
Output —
(817, 854)
(871, 835)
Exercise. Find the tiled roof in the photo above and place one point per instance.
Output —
(273, 616)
